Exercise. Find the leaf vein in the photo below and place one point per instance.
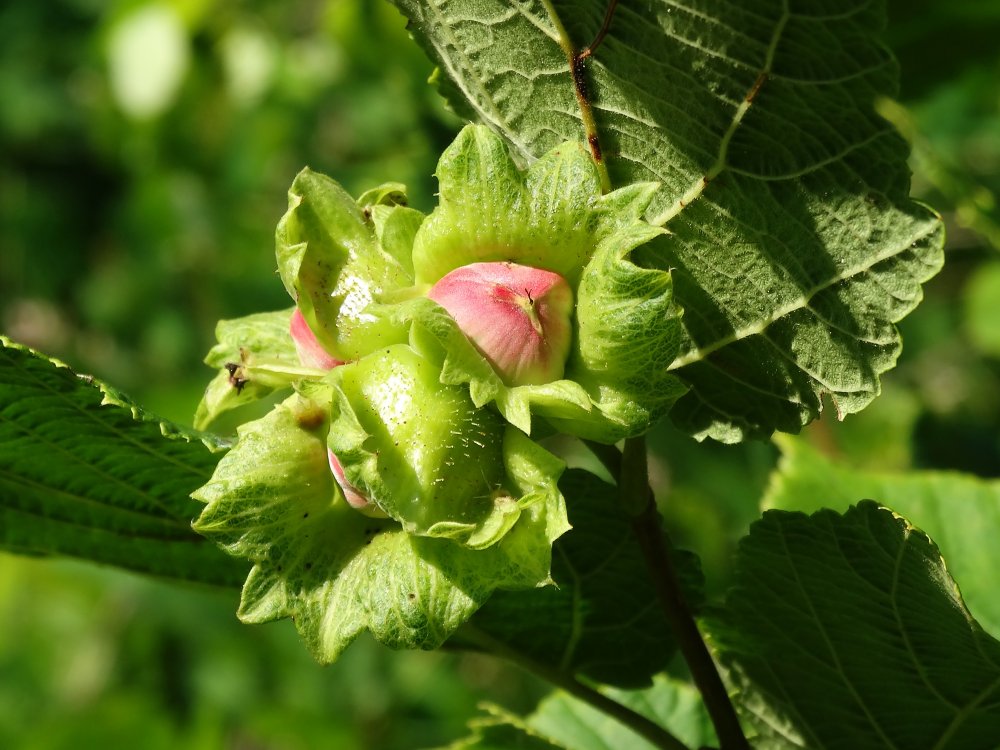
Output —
(700, 353)
(829, 643)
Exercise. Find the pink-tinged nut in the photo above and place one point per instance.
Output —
(517, 316)
(351, 493)
(311, 352)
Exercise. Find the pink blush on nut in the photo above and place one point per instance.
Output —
(351, 493)
(311, 352)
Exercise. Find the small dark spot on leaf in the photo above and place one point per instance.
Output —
(411, 596)
(310, 418)
(580, 77)
(755, 89)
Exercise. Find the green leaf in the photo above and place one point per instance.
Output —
(792, 243)
(273, 500)
(960, 512)
(561, 721)
(846, 631)
(982, 314)
(84, 473)
(602, 619)
(256, 355)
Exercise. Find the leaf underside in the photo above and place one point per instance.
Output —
(846, 631)
(84, 473)
(793, 244)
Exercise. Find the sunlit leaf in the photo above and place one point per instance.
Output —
(85, 473)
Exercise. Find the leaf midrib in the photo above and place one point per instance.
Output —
(696, 190)
(90, 416)
(829, 643)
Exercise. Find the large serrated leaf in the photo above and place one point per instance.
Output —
(960, 512)
(84, 473)
(793, 245)
(846, 631)
(602, 619)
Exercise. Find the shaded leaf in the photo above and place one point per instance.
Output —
(960, 512)
(602, 619)
(846, 631)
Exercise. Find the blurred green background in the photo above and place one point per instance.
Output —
(145, 151)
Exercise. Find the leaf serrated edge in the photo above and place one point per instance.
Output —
(111, 396)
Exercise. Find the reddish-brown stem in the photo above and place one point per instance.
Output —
(637, 501)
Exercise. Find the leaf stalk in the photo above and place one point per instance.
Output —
(577, 66)
(637, 500)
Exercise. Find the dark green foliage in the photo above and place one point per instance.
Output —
(84, 473)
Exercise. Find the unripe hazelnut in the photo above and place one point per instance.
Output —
(517, 316)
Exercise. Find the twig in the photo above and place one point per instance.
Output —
(601, 33)
(578, 69)
(637, 500)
